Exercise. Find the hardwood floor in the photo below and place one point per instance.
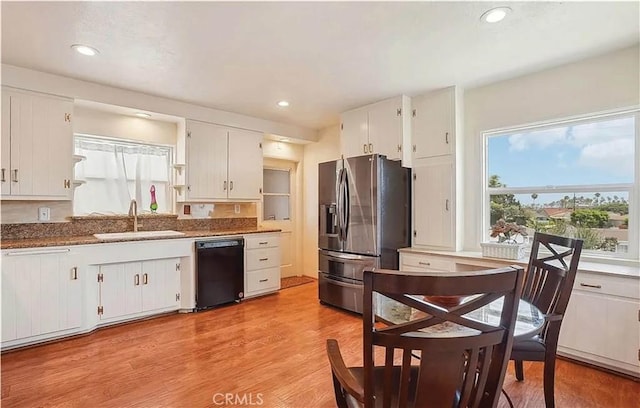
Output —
(269, 351)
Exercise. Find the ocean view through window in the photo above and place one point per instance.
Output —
(575, 178)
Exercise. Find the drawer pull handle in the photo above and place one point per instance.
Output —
(263, 259)
(263, 243)
(586, 285)
(424, 263)
(263, 280)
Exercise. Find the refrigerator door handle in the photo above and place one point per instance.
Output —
(340, 207)
(347, 204)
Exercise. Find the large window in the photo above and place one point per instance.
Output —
(115, 172)
(574, 178)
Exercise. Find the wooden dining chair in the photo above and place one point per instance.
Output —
(444, 359)
(547, 285)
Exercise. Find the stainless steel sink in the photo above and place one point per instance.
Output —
(138, 234)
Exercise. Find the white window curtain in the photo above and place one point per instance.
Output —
(116, 172)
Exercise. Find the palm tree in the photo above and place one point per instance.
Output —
(533, 197)
(597, 198)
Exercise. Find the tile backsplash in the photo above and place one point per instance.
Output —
(13, 212)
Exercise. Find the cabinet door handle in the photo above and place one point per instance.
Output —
(370, 148)
(263, 243)
(231, 185)
(136, 280)
(263, 259)
(74, 273)
(446, 137)
(15, 176)
(145, 279)
(446, 204)
(224, 186)
(586, 285)
(3, 177)
(424, 263)
(364, 148)
(263, 280)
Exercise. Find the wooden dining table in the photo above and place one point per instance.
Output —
(529, 320)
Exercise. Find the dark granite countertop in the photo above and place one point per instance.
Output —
(90, 239)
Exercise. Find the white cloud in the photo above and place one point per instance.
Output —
(614, 157)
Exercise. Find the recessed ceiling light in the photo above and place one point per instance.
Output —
(495, 14)
(85, 49)
(143, 115)
(283, 104)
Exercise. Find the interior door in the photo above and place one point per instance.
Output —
(280, 210)
(362, 185)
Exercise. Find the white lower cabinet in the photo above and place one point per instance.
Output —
(262, 264)
(425, 263)
(41, 295)
(601, 324)
(132, 288)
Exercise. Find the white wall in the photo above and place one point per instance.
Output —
(603, 83)
(283, 150)
(327, 148)
(99, 123)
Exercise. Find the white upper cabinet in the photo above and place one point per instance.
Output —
(382, 127)
(245, 164)
(355, 132)
(37, 146)
(222, 163)
(434, 123)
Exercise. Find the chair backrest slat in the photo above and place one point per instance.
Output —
(465, 370)
(551, 272)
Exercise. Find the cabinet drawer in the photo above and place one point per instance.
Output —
(608, 284)
(426, 263)
(263, 279)
(261, 241)
(263, 258)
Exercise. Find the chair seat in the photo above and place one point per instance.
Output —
(532, 349)
(378, 375)
(532, 345)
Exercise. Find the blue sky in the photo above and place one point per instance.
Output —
(591, 153)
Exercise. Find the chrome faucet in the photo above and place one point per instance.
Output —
(133, 212)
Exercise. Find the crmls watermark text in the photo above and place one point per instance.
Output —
(229, 398)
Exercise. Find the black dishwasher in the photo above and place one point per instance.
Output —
(220, 272)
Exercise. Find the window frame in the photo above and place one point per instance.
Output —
(633, 188)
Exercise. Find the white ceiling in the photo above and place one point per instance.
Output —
(323, 57)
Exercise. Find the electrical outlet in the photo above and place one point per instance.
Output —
(44, 213)
(237, 208)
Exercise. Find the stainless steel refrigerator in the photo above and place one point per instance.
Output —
(364, 217)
